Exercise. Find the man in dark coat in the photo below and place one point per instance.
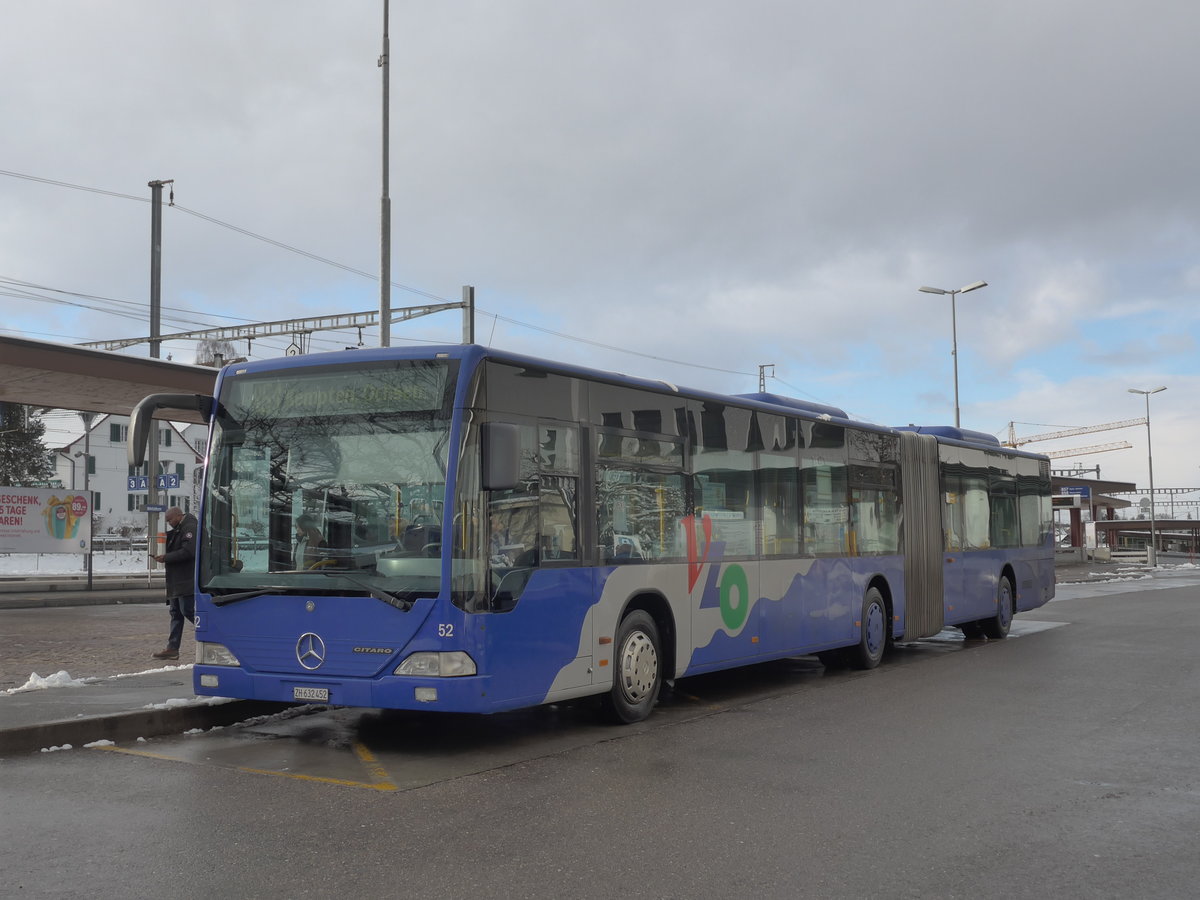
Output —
(180, 560)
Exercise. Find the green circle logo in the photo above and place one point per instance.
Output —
(734, 609)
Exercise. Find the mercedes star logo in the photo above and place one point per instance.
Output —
(310, 651)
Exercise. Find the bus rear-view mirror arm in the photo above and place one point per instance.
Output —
(142, 417)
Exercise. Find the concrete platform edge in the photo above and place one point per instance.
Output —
(129, 726)
(81, 598)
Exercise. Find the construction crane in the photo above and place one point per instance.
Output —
(1086, 451)
(1014, 441)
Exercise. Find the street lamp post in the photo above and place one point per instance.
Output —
(1152, 552)
(954, 332)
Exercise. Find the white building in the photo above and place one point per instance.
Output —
(95, 459)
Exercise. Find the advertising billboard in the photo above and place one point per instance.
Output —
(45, 520)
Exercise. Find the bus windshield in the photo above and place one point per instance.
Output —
(329, 480)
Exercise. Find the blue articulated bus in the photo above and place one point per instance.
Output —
(463, 529)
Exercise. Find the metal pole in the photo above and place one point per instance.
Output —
(155, 266)
(764, 369)
(385, 210)
(1152, 553)
(468, 295)
(155, 351)
(954, 353)
(87, 461)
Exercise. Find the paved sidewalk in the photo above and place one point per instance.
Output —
(127, 693)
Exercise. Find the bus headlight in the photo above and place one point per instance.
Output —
(214, 655)
(437, 665)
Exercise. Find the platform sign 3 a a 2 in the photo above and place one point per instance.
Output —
(162, 482)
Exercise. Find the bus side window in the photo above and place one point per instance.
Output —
(952, 513)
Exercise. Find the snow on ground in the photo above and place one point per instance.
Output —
(36, 682)
(177, 702)
(111, 562)
(63, 678)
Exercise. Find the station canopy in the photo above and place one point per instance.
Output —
(61, 376)
(1098, 490)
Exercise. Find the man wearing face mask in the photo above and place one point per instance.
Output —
(180, 560)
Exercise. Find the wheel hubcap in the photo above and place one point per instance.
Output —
(639, 667)
(874, 629)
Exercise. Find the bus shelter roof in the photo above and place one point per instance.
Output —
(1098, 490)
(61, 376)
(1060, 483)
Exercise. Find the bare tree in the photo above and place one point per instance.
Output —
(215, 353)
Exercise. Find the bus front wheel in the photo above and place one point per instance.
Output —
(996, 628)
(637, 669)
(872, 636)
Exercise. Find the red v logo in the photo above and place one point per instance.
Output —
(697, 560)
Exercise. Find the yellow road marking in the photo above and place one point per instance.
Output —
(138, 753)
(342, 781)
(379, 775)
(381, 780)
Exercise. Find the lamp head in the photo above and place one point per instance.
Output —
(929, 290)
(973, 287)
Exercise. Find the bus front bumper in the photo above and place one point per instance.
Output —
(461, 694)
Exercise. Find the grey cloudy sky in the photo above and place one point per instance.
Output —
(721, 183)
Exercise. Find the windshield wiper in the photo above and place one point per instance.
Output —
(222, 599)
(401, 603)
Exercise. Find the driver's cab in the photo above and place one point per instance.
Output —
(419, 532)
(354, 527)
(513, 547)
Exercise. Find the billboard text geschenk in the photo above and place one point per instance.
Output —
(41, 520)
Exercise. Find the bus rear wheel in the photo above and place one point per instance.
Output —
(637, 669)
(872, 637)
(996, 628)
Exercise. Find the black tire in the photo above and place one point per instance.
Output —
(996, 628)
(873, 632)
(637, 669)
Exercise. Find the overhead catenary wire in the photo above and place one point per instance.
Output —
(347, 268)
(236, 228)
(604, 346)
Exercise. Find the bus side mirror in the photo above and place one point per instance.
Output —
(141, 419)
(501, 456)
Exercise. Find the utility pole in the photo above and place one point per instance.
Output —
(156, 263)
(385, 210)
(468, 305)
(155, 345)
(762, 376)
(88, 418)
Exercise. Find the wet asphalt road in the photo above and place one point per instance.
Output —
(1061, 762)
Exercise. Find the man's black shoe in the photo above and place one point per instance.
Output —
(168, 653)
